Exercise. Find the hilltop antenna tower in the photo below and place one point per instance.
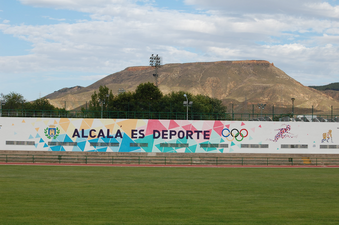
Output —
(155, 61)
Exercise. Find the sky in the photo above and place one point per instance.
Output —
(46, 45)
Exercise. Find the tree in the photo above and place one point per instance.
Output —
(101, 99)
(40, 104)
(147, 92)
(13, 101)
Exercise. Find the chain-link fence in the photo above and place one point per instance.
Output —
(281, 112)
(177, 111)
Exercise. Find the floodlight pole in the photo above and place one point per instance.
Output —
(186, 105)
(155, 61)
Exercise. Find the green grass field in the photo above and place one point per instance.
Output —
(126, 195)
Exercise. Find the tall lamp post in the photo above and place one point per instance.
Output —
(155, 61)
(261, 107)
(187, 104)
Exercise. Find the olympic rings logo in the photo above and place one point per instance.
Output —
(234, 133)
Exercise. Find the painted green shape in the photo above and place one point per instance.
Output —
(148, 139)
(232, 143)
(250, 138)
(231, 150)
(214, 135)
(191, 149)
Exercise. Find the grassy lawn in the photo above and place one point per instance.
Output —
(116, 195)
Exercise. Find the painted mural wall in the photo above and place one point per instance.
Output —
(169, 136)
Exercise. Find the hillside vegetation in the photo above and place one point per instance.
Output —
(332, 86)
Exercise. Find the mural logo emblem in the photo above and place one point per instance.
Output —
(235, 134)
(52, 132)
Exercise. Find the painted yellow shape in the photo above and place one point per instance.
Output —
(37, 129)
(23, 121)
(55, 122)
(64, 124)
(107, 121)
(141, 123)
(86, 124)
(128, 125)
(110, 126)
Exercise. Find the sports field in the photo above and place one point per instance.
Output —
(148, 195)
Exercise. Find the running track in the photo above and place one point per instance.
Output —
(151, 165)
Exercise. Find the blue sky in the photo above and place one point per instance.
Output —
(46, 45)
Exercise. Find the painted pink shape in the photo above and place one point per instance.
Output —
(218, 127)
(242, 124)
(189, 127)
(260, 126)
(154, 125)
(173, 124)
(253, 129)
(227, 126)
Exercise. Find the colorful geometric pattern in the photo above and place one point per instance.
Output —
(168, 136)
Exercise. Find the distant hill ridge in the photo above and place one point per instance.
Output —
(332, 86)
(246, 81)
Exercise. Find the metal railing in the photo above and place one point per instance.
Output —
(168, 160)
(168, 115)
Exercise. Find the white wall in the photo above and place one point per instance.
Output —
(118, 135)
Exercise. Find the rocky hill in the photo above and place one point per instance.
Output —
(252, 82)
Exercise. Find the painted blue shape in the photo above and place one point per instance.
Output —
(102, 149)
(41, 141)
(82, 145)
(36, 145)
(45, 145)
(30, 137)
(37, 136)
(62, 149)
(125, 144)
(56, 148)
(68, 139)
(76, 149)
(15, 133)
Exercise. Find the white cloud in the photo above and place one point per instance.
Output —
(51, 18)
